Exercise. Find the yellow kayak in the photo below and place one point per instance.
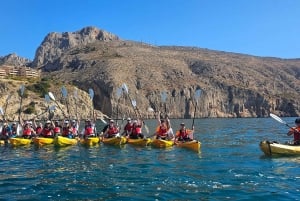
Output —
(19, 141)
(64, 141)
(41, 141)
(274, 148)
(159, 143)
(192, 145)
(91, 141)
(139, 142)
(115, 140)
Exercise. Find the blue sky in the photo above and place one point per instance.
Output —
(256, 27)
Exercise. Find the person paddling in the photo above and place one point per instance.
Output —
(295, 131)
(136, 132)
(57, 130)
(75, 127)
(67, 130)
(184, 134)
(47, 131)
(163, 130)
(28, 131)
(5, 132)
(89, 129)
(128, 127)
(112, 130)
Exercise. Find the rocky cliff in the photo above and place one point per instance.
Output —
(232, 85)
(77, 103)
(14, 60)
(55, 44)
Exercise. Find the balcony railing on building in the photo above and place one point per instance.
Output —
(12, 71)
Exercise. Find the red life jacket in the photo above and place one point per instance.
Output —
(112, 130)
(137, 130)
(183, 133)
(27, 132)
(297, 135)
(46, 132)
(89, 130)
(38, 130)
(65, 131)
(128, 127)
(56, 130)
(74, 130)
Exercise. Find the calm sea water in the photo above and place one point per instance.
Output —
(229, 167)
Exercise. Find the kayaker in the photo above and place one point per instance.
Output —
(136, 130)
(163, 129)
(14, 130)
(112, 130)
(38, 127)
(5, 132)
(47, 130)
(296, 132)
(57, 130)
(28, 131)
(89, 129)
(75, 127)
(128, 127)
(184, 134)
(67, 130)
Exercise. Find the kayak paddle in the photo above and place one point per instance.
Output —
(277, 118)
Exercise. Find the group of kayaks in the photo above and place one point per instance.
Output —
(60, 141)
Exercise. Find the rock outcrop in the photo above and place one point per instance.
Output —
(55, 44)
(14, 60)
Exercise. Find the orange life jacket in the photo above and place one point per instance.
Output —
(161, 131)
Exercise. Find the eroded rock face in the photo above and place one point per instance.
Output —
(233, 85)
(55, 44)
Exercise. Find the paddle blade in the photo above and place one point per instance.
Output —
(91, 93)
(150, 109)
(277, 118)
(1, 111)
(47, 98)
(163, 96)
(197, 94)
(125, 88)
(133, 102)
(22, 89)
(76, 94)
(64, 92)
(147, 129)
(119, 92)
(103, 121)
(51, 96)
(19, 130)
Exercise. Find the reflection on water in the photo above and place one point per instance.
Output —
(230, 166)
